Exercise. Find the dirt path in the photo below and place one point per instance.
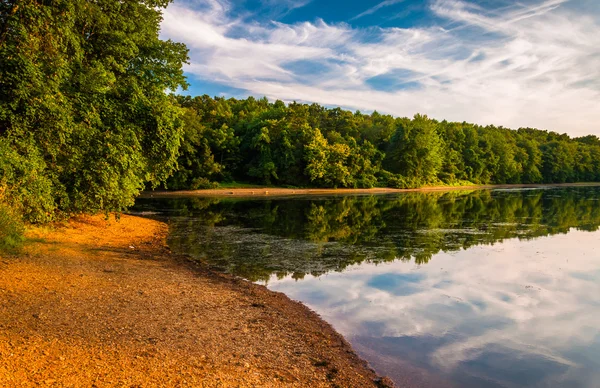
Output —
(97, 303)
(262, 192)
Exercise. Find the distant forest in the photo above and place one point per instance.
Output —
(271, 143)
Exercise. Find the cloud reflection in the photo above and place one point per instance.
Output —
(528, 306)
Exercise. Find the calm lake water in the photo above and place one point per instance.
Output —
(493, 288)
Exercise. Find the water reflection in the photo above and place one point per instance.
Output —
(485, 288)
(522, 313)
(259, 238)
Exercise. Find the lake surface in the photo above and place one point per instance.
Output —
(485, 288)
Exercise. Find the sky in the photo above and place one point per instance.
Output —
(528, 63)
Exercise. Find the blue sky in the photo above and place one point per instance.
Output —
(521, 63)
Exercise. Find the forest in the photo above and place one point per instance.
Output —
(89, 118)
(309, 145)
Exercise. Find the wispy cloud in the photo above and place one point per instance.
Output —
(280, 8)
(532, 65)
(376, 8)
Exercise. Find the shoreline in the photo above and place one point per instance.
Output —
(105, 303)
(275, 191)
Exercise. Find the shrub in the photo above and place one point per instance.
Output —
(203, 183)
(11, 229)
(24, 183)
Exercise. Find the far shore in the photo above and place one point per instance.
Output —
(277, 191)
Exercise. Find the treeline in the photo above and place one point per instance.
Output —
(271, 143)
(85, 120)
(257, 239)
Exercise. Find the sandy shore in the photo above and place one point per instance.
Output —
(262, 191)
(104, 303)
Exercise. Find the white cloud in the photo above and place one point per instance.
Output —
(536, 65)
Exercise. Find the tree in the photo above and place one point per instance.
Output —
(336, 171)
(82, 91)
(364, 163)
(261, 165)
(315, 154)
(453, 167)
(558, 162)
(415, 150)
(472, 155)
(501, 150)
(196, 165)
(530, 159)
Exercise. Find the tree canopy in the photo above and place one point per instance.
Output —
(85, 120)
(271, 143)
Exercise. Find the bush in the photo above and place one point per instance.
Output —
(399, 182)
(11, 229)
(24, 183)
(203, 183)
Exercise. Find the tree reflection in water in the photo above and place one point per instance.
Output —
(256, 238)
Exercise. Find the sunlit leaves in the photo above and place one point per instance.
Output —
(309, 145)
(82, 94)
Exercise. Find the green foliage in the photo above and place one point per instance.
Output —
(84, 119)
(23, 182)
(388, 179)
(529, 157)
(11, 226)
(559, 161)
(316, 156)
(300, 145)
(196, 162)
(415, 151)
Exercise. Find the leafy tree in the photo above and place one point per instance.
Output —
(82, 95)
(453, 167)
(310, 145)
(501, 149)
(529, 157)
(261, 165)
(196, 163)
(364, 163)
(337, 172)
(472, 155)
(376, 128)
(558, 161)
(415, 150)
(315, 155)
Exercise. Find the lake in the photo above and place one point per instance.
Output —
(488, 288)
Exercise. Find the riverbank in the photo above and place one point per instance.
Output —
(275, 191)
(105, 303)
